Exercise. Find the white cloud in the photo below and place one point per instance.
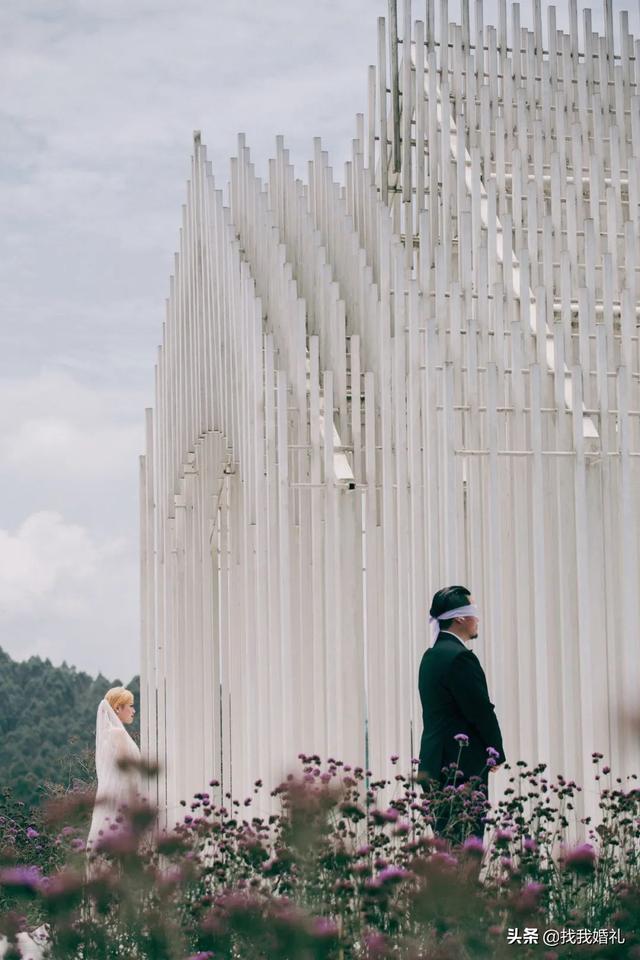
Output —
(60, 431)
(54, 446)
(67, 595)
(45, 566)
(68, 532)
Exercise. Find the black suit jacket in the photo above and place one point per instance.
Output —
(455, 699)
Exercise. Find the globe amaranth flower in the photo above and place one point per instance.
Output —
(380, 817)
(473, 845)
(401, 829)
(63, 891)
(376, 945)
(372, 884)
(462, 738)
(392, 875)
(443, 860)
(343, 886)
(504, 836)
(324, 928)
(27, 878)
(533, 889)
(527, 899)
(581, 859)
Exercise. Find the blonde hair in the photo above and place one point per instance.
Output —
(118, 697)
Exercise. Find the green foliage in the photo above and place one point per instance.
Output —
(47, 727)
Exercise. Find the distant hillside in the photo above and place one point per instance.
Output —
(48, 725)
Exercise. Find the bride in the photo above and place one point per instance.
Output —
(117, 766)
(117, 763)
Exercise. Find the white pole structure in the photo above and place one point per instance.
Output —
(365, 392)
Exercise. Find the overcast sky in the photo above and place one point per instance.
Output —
(99, 101)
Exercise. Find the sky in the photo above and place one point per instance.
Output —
(99, 102)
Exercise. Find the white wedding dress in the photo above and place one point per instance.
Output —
(31, 946)
(117, 787)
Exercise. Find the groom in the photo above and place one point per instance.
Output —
(455, 700)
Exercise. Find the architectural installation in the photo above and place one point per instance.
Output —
(419, 371)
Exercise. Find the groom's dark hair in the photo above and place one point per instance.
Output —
(449, 598)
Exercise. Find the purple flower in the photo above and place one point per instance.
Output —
(462, 738)
(530, 845)
(503, 836)
(343, 886)
(324, 928)
(581, 859)
(384, 816)
(493, 752)
(25, 877)
(393, 875)
(372, 883)
(402, 828)
(491, 762)
(444, 860)
(394, 758)
(533, 889)
(32, 833)
(118, 842)
(376, 945)
(529, 896)
(207, 955)
(473, 845)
